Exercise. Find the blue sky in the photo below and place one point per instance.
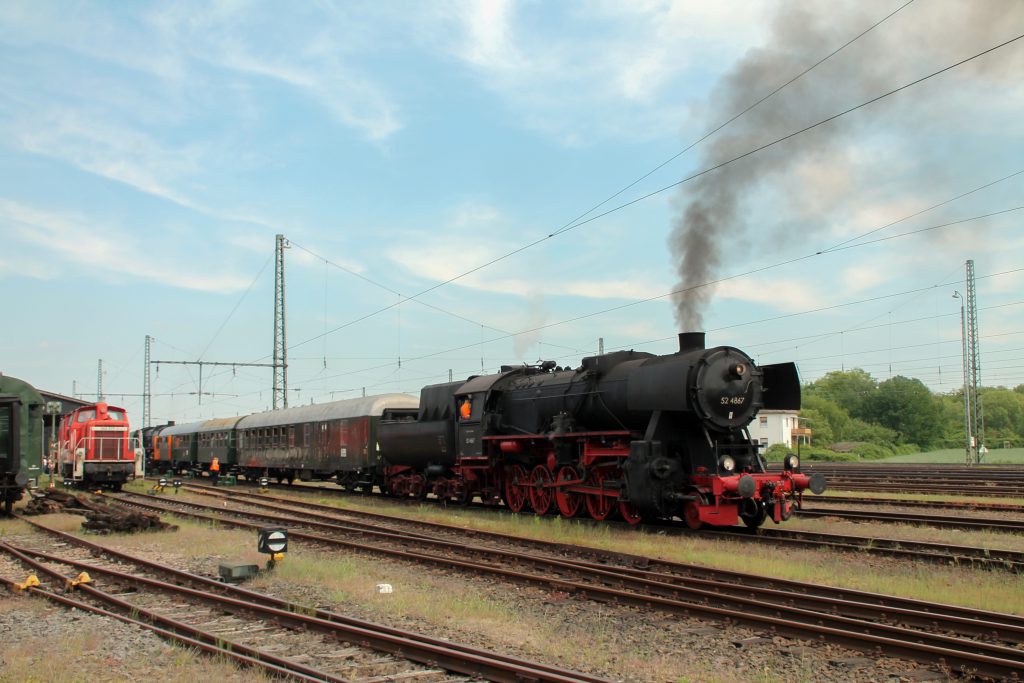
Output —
(151, 151)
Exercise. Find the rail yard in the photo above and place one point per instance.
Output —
(780, 626)
(526, 342)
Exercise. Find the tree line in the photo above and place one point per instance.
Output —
(851, 410)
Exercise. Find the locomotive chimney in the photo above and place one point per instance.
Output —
(690, 341)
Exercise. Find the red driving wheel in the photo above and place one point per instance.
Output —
(568, 502)
(630, 513)
(517, 489)
(598, 505)
(691, 514)
(541, 493)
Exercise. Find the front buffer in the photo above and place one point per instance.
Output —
(752, 498)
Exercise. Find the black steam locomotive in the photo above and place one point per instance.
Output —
(627, 432)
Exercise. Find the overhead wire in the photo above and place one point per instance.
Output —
(678, 183)
(233, 310)
(402, 297)
(732, 326)
(734, 117)
(710, 169)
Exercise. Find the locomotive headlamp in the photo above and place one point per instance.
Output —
(791, 463)
(739, 369)
(727, 463)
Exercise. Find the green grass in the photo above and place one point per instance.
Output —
(996, 456)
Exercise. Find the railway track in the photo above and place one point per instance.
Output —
(942, 521)
(972, 506)
(960, 480)
(914, 550)
(914, 630)
(937, 487)
(987, 558)
(257, 629)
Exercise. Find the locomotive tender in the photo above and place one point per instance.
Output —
(627, 433)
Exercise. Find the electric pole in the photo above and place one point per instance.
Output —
(280, 392)
(974, 355)
(99, 381)
(147, 389)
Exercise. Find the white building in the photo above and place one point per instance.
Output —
(778, 426)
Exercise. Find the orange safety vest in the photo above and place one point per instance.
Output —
(215, 465)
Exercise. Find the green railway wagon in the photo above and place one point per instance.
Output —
(21, 438)
(218, 439)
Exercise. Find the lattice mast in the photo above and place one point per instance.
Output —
(974, 355)
(147, 389)
(965, 359)
(280, 398)
(99, 381)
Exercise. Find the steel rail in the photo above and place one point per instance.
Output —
(855, 603)
(636, 563)
(1010, 560)
(948, 522)
(495, 666)
(172, 628)
(916, 550)
(959, 490)
(928, 504)
(961, 655)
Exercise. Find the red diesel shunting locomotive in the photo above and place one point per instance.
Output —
(95, 449)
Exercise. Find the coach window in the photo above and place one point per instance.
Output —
(291, 437)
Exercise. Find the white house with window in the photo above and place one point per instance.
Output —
(778, 426)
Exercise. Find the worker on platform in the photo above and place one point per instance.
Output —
(214, 470)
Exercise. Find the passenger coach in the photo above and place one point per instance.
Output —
(320, 441)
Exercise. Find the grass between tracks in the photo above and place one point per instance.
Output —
(982, 589)
(955, 456)
(931, 497)
(554, 627)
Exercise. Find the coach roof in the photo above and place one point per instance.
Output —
(219, 424)
(175, 430)
(373, 406)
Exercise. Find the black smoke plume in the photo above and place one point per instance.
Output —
(799, 175)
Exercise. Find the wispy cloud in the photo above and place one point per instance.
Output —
(117, 153)
(105, 254)
(233, 37)
(561, 68)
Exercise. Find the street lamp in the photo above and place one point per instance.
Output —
(969, 446)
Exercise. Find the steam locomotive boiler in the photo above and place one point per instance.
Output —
(628, 432)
